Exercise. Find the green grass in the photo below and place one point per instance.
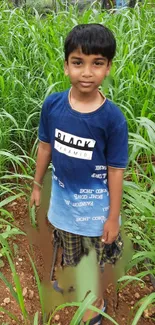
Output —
(31, 55)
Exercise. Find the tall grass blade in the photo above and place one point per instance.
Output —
(9, 285)
(36, 319)
(83, 306)
(145, 303)
(13, 317)
(15, 278)
(71, 304)
(10, 199)
(38, 286)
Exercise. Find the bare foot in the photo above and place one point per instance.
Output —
(89, 314)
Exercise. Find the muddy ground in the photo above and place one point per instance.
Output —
(120, 309)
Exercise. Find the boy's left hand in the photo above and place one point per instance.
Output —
(110, 231)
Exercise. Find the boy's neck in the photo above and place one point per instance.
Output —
(86, 102)
(84, 97)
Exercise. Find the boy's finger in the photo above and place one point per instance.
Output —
(37, 203)
(110, 240)
(31, 202)
(34, 201)
(105, 236)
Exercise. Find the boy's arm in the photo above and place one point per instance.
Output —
(42, 163)
(115, 184)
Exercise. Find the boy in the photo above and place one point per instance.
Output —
(85, 135)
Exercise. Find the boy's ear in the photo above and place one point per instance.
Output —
(66, 68)
(107, 73)
(108, 68)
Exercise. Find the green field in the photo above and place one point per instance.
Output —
(31, 67)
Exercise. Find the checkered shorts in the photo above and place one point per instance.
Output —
(75, 246)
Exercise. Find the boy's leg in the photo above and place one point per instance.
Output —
(72, 252)
(72, 248)
(105, 254)
(108, 253)
(75, 246)
(88, 244)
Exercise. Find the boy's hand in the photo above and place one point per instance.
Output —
(110, 231)
(35, 197)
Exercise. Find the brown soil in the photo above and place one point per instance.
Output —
(127, 297)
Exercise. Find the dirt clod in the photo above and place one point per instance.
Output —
(57, 317)
(137, 295)
(13, 204)
(31, 294)
(25, 292)
(149, 312)
(6, 301)
(146, 313)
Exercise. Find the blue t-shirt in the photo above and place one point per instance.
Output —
(83, 145)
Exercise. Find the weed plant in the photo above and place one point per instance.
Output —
(31, 55)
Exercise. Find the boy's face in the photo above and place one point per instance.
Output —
(86, 72)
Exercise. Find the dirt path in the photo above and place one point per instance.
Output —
(127, 298)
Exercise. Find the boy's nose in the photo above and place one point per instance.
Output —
(87, 72)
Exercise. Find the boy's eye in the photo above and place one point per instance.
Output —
(99, 63)
(77, 62)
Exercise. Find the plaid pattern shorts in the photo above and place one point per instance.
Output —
(75, 246)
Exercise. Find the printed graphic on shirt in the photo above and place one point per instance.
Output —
(73, 146)
(87, 205)
(87, 197)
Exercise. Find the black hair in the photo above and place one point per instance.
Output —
(92, 39)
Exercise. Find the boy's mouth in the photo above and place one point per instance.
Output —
(86, 83)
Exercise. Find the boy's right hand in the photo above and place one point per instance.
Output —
(35, 197)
